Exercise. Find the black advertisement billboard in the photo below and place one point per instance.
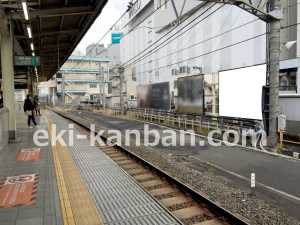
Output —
(154, 96)
(190, 94)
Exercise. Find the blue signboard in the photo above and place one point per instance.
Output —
(115, 38)
(116, 34)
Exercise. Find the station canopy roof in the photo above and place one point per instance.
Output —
(57, 27)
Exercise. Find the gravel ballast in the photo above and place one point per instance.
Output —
(235, 200)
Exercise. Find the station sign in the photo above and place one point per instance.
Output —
(27, 60)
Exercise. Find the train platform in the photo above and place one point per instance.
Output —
(276, 181)
(67, 181)
(28, 185)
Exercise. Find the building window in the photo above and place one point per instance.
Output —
(93, 85)
(157, 74)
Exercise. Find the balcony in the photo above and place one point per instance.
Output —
(72, 88)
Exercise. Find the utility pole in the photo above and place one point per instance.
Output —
(121, 71)
(103, 89)
(100, 82)
(63, 88)
(273, 72)
(213, 94)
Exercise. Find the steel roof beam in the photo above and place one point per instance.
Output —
(54, 46)
(246, 5)
(56, 12)
(53, 33)
(46, 55)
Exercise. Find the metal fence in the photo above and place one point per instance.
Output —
(201, 124)
(292, 134)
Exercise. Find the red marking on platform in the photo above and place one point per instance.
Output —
(29, 154)
(18, 190)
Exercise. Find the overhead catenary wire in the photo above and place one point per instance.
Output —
(222, 40)
(199, 42)
(123, 65)
(105, 34)
(187, 33)
(240, 42)
(198, 31)
(219, 32)
(296, 24)
(123, 35)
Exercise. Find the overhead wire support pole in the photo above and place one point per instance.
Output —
(182, 8)
(273, 72)
(100, 83)
(63, 88)
(272, 16)
(121, 71)
(103, 88)
(176, 13)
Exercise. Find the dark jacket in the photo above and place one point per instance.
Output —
(1, 103)
(28, 105)
(36, 101)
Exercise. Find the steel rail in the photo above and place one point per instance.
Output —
(196, 196)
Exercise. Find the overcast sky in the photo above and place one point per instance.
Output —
(110, 14)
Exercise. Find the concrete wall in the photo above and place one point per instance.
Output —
(92, 51)
(291, 108)
(69, 64)
(113, 53)
(290, 33)
(3, 128)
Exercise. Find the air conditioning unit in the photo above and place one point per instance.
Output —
(197, 70)
(174, 72)
(184, 69)
(175, 84)
(131, 95)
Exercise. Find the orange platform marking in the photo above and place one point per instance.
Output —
(29, 154)
(18, 190)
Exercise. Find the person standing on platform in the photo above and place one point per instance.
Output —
(29, 110)
(37, 105)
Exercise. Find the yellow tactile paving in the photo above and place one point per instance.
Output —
(76, 202)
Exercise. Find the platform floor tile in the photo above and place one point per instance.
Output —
(119, 198)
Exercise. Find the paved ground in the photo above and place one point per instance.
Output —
(118, 198)
(46, 209)
(281, 175)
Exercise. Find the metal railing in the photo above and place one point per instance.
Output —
(282, 137)
(200, 124)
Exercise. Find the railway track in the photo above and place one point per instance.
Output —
(189, 206)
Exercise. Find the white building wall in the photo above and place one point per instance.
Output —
(204, 53)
